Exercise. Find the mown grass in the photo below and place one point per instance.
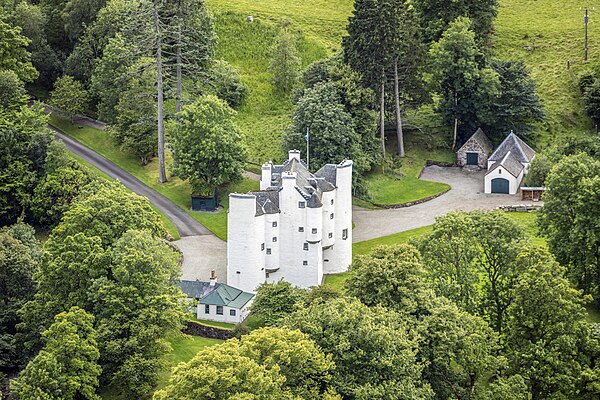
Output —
(525, 220)
(175, 189)
(184, 347)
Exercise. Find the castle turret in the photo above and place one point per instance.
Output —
(340, 259)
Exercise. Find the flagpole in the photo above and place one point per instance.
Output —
(307, 148)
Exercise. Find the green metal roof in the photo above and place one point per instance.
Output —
(225, 295)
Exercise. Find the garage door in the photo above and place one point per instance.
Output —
(500, 185)
(472, 159)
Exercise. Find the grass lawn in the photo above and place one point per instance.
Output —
(214, 324)
(175, 189)
(184, 348)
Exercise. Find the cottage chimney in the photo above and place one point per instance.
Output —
(294, 154)
(213, 278)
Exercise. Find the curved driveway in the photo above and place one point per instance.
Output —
(466, 194)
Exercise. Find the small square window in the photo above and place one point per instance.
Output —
(331, 201)
(275, 224)
(206, 309)
(262, 246)
(274, 238)
(232, 313)
(301, 204)
(304, 262)
(305, 246)
(345, 234)
(330, 235)
(268, 250)
(331, 216)
(314, 230)
(219, 310)
(300, 229)
(237, 272)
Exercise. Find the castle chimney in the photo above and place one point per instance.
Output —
(213, 277)
(294, 154)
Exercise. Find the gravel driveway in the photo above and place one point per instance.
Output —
(466, 194)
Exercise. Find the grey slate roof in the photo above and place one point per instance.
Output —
(480, 137)
(517, 147)
(195, 289)
(509, 163)
(309, 186)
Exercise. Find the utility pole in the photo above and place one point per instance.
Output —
(585, 46)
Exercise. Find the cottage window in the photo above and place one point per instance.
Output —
(301, 204)
(330, 235)
(331, 216)
(275, 224)
(232, 313)
(345, 234)
(314, 231)
(262, 246)
(305, 247)
(274, 238)
(499, 170)
(268, 250)
(304, 262)
(206, 309)
(300, 229)
(219, 310)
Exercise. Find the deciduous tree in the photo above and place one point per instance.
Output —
(276, 300)
(285, 62)
(69, 97)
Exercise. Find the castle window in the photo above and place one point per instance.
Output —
(206, 309)
(268, 250)
(237, 272)
(345, 234)
(232, 313)
(331, 201)
(314, 231)
(274, 224)
(304, 262)
(301, 204)
(331, 216)
(330, 235)
(300, 229)
(219, 310)
(274, 238)
(262, 246)
(305, 246)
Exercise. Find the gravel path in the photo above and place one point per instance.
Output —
(466, 194)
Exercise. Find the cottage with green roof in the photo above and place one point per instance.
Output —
(218, 301)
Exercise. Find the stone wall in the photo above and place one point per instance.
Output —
(196, 329)
(472, 146)
(520, 208)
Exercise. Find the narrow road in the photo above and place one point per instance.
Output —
(185, 224)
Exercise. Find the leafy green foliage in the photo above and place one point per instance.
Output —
(548, 339)
(465, 86)
(66, 368)
(570, 218)
(274, 301)
(18, 262)
(372, 348)
(307, 370)
(223, 372)
(591, 98)
(435, 16)
(471, 259)
(69, 96)
(538, 171)
(225, 82)
(12, 93)
(285, 63)
(206, 145)
(13, 52)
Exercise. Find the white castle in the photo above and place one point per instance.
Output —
(296, 228)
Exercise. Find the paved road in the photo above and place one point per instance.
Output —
(185, 224)
(466, 194)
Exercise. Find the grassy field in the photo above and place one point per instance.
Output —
(175, 189)
(525, 220)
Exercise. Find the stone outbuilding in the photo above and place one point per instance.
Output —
(475, 151)
(508, 165)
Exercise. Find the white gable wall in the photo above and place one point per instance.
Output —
(513, 182)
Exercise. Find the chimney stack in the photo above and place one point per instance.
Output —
(213, 277)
